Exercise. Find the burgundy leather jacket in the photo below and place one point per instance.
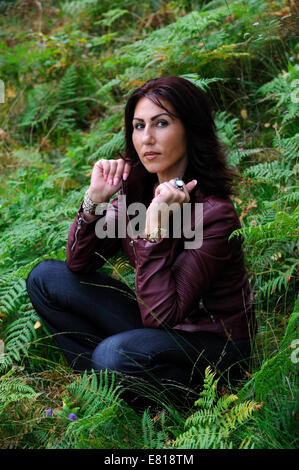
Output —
(202, 289)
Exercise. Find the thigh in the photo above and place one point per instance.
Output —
(148, 350)
(167, 354)
(92, 298)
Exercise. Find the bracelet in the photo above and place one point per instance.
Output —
(88, 205)
(156, 234)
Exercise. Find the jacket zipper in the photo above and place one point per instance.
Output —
(76, 233)
(136, 262)
(202, 306)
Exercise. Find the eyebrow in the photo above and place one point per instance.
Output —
(153, 118)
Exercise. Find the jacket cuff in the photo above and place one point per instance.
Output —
(81, 214)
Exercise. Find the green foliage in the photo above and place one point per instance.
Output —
(99, 410)
(282, 90)
(283, 364)
(60, 108)
(276, 384)
(213, 425)
(13, 390)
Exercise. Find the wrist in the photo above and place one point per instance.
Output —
(89, 205)
(95, 197)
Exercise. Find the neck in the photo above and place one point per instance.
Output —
(177, 172)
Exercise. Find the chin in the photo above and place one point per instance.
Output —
(151, 168)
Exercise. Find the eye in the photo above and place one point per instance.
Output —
(138, 126)
(162, 123)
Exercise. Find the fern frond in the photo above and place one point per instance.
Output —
(94, 393)
(212, 426)
(280, 90)
(75, 7)
(12, 294)
(111, 148)
(151, 438)
(202, 83)
(39, 105)
(274, 173)
(13, 390)
(284, 226)
(288, 146)
(19, 335)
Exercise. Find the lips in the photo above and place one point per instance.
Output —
(151, 155)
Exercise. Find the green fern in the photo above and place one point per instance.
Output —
(280, 90)
(14, 390)
(289, 146)
(273, 173)
(110, 149)
(76, 7)
(94, 393)
(99, 404)
(39, 106)
(60, 106)
(284, 226)
(19, 336)
(214, 424)
(153, 439)
(201, 82)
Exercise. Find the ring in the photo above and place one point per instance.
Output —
(179, 184)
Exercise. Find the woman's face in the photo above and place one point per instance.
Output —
(159, 139)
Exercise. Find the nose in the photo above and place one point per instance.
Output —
(148, 135)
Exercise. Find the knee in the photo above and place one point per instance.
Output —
(36, 275)
(42, 273)
(108, 355)
(114, 354)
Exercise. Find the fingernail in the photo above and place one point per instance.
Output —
(111, 182)
(105, 177)
(125, 176)
(115, 181)
(195, 181)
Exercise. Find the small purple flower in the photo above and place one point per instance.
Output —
(49, 412)
(72, 417)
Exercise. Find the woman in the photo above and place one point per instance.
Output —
(192, 305)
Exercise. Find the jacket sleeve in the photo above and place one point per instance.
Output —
(169, 285)
(85, 251)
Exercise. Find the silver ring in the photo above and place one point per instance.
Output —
(179, 184)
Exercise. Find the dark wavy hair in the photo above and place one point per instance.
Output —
(207, 161)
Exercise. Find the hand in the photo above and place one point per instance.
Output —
(106, 179)
(166, 193)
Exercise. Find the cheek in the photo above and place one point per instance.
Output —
(178, 141)
(135, 141)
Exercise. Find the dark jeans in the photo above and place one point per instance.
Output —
(96, 322)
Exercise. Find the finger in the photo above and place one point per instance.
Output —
(162, 188)
(191, 185)
(126, 172)
(167, 191)
(106, 168)
(172, 182)
(176, 193)
(118, 171)
(112, 170)
(183, 194)
(103, 167)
